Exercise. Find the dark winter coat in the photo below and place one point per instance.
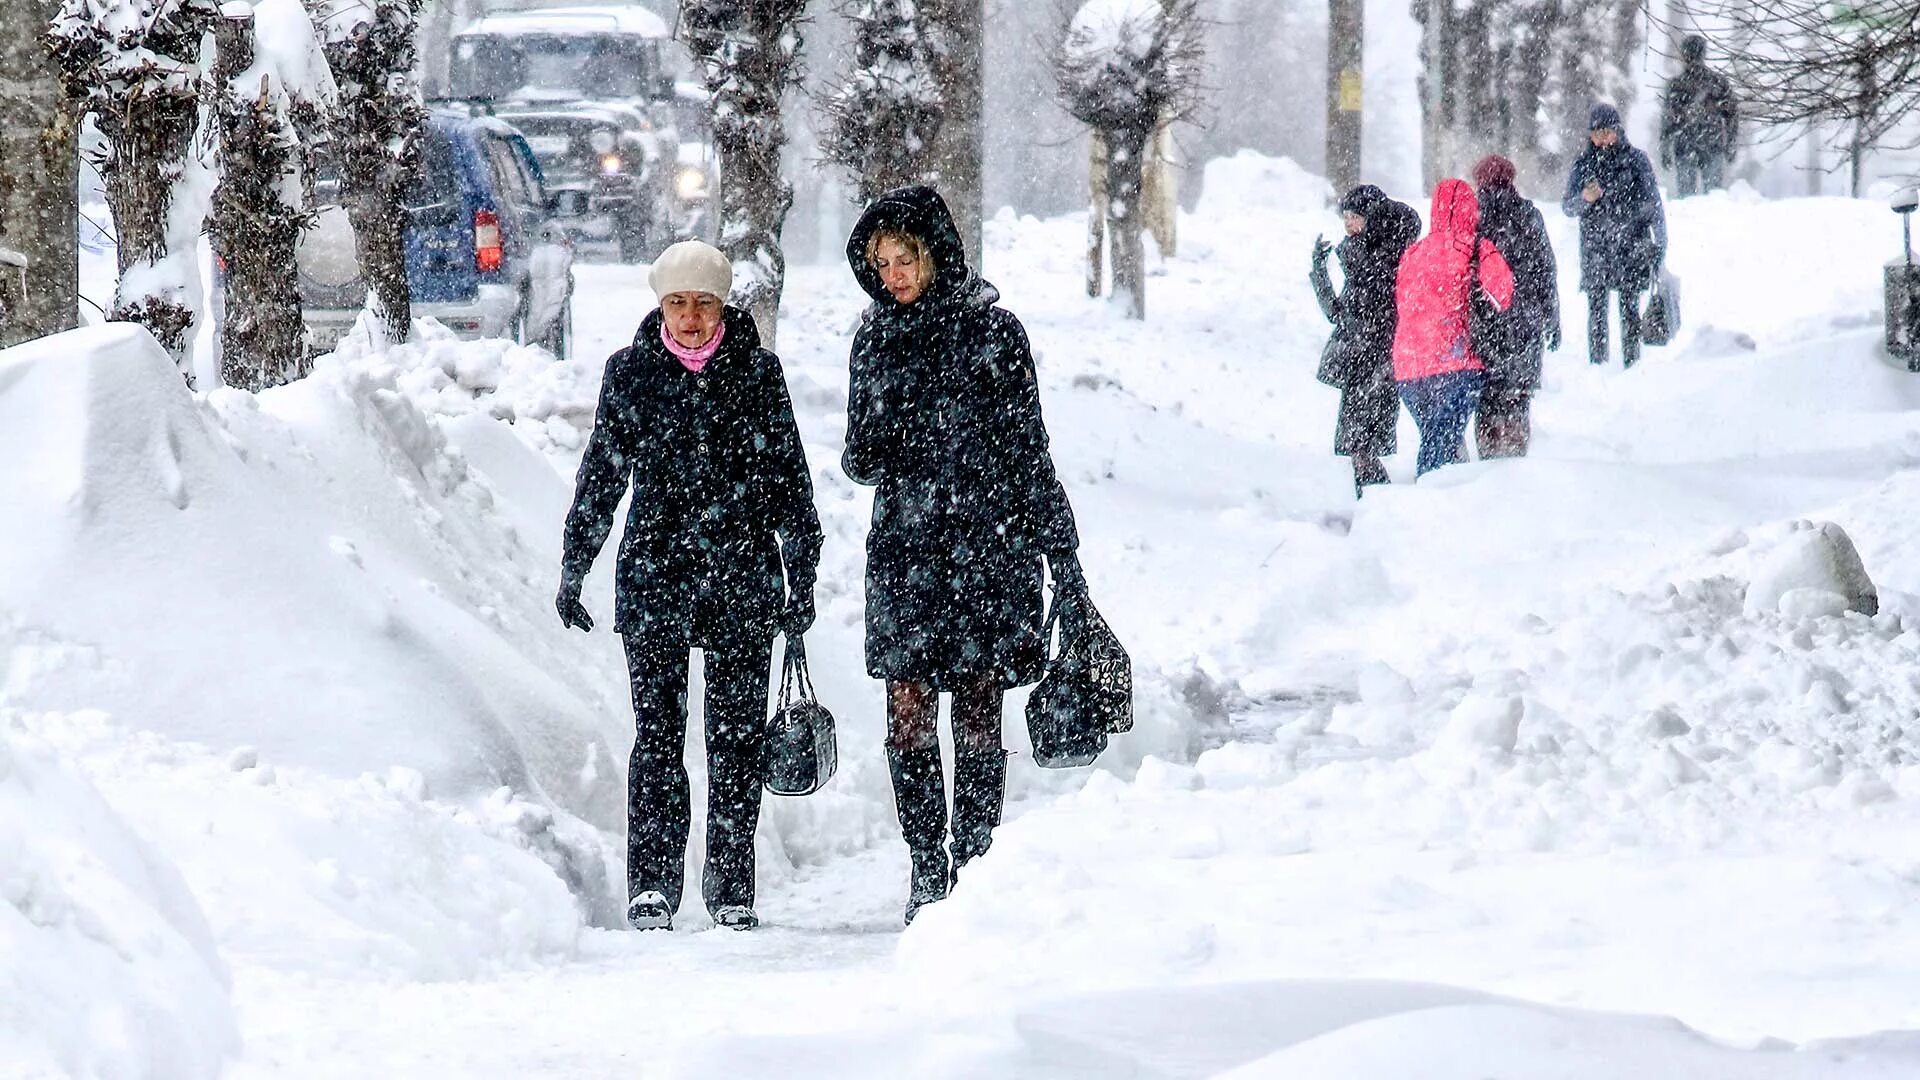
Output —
(1362, 313)
(1699, 117)
(943, 415)
(1515, 226)
(1623, 234)
(721, 494)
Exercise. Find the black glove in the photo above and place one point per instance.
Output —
(797, 617)
(572, 611)
(1321, 249)
(1553, 335)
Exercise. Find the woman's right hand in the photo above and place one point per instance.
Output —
(1321, 249)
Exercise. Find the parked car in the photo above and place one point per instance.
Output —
(487, 253)
(599, 93)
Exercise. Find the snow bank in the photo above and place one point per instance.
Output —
(107, 966)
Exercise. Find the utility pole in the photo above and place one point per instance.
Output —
(1346, 30)
(39, 191)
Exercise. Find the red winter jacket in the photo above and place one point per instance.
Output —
(1431, 293)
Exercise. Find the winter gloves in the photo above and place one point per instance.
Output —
(798, 614)
(572, 611)
(1321, 249)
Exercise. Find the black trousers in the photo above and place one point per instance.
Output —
(658, 810)
(1597, 325)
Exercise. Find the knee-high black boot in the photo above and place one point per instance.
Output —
(920, 794)
(979, 789)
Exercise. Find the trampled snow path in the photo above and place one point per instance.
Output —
(1512, 731)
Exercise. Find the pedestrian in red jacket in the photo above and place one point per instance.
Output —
(1433, 361)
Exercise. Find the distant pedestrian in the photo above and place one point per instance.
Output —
(719, 554)
(1623, 229)
(1439, 374)
(1379, 230)
(1503, 426)
(1699, 123)
(943, 419)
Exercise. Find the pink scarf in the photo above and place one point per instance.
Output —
(693, 359)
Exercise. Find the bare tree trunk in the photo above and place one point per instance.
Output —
(1096, 213)
(1346, 29)
(961, 146)
(1125, 222)
(747, 58)
(39, 198)
(254, 231)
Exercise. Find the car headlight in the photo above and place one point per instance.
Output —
(691, 183)
(610, 164)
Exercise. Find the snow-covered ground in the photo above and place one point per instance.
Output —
(1571, 766)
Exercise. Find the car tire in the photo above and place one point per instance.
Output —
(559, 337)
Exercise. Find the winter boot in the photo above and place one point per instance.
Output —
(648, 910)
(920, 793)
(736, 917)
(979, 789)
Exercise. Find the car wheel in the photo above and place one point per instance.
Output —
(559, 336)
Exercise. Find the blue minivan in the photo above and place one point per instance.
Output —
(487, 253)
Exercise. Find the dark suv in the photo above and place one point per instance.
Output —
(487, 253)
(595, 91)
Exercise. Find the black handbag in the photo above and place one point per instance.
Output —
(1489, 330)
(1661, 322)
(801, 751)
(1086, 693)
(1336, 367)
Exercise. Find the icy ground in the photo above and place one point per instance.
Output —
(1572, 766)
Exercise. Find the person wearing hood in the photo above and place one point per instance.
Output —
(1362, 313)
(1699, 122)
(943, 418)
(1434, 362)
(1503, 426)
(1623, 229)
(720, 553)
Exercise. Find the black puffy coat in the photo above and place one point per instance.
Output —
(943, 415)
(1362, 313)
(1515, 226)
(1624, 233)
(1699, 115)
(721, 494)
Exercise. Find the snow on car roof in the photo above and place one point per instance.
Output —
(574, 20)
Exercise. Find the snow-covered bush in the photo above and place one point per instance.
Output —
(885, 112)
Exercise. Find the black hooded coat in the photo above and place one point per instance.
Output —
(1363, 312)
(1515, 226)
(943, 416)
(1624, 233)
(721, 493)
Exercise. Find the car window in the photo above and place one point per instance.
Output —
(508, 173)
(529, 169)
(436, 182)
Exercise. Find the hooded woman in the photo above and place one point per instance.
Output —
(943, 416)
(1434, 362)
(1362, 314)
(1504, 426)
(720, 553)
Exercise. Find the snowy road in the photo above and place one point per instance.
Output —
(1411, 777)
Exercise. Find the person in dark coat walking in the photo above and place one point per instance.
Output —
(943, 416)
(1623, 229)
(1503, 426)
(1379, 231)
(720, 553)
(1699, 122)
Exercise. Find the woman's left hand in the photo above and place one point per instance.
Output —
(797, 618)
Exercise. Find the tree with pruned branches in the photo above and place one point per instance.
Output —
(1124, 68)
(884, 114)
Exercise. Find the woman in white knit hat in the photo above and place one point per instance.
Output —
(719, 554)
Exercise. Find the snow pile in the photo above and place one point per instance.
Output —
(107, 967)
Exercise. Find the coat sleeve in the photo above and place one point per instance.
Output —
(1653, 212)
(794, 517)
(1547, 267)
(603, 476)
(1048, 517)
(1496, 276)
(1571, 203)
(1323, 292)
(870, 427)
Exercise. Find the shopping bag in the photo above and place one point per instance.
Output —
(1661, 322)
(801, 751)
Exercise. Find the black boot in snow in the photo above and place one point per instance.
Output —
(648, 910)
(920, 793)
(979, 789)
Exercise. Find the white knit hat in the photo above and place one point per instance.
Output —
(691, 266)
